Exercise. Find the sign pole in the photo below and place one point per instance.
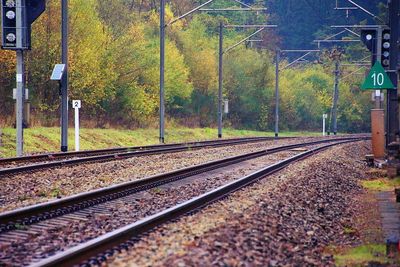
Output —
(377, 79)
(20, 103)
(76, 129)
(76, 104)
(378, 58)
(324, 116)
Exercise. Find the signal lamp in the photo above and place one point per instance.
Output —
(11, 37)
(10, 14)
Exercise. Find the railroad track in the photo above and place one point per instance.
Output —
(73, 158)
(78, 206)
(95, 152)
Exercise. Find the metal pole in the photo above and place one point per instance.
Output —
(392, 95)
(378, 58)
(220, 78)
(335, 99)
(20, 102)
(277, 59)
(64, 82)
(20, 80)
(162, 69)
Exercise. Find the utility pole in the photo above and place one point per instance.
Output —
(20, 79)
(163, 26)
(392, 107)
(335, 98)
(221, 58)
(277, 59)
(220, 78)
(277, 72)
(64, 81)
(162, 69)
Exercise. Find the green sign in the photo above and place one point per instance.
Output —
(377, 79)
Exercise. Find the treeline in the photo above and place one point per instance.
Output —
(114, 70)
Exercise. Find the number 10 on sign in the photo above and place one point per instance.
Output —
(377, 79)
(76, 105)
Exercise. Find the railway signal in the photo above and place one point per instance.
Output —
(380, 41)
(12, 25)
(385, 55)
(369, 38)
(17, 17)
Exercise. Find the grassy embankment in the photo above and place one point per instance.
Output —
(368, 252)
(48, 139)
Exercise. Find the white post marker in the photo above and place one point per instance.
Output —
(324, 117)
(76, 104)
(226, 106)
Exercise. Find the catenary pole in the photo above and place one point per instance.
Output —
(277, 73)
(220, 77)
(162, 69)
(64, 82)
(221, 55)
(277, 59)
(335, 98)
(162, 55)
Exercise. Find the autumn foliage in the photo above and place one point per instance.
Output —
(114, 70)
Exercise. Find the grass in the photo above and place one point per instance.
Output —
(367, 253)
(43, 139)
(361, 255)
(349, 231)
(381, 184)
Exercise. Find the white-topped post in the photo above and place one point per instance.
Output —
(76, 104)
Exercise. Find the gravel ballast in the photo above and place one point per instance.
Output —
(30, 188)
(289, 218)
(46, 238)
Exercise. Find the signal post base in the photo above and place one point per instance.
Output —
(378, 133)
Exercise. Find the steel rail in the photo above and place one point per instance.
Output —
(113, 156)
(50, 156)
(97, 250)
(44, 211)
